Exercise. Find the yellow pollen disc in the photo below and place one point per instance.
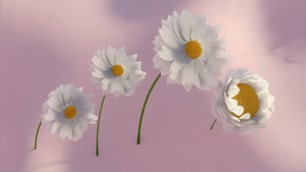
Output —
(248, 99)
(193, 49)
(70, 112)
(117, 70)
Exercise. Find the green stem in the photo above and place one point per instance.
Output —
(98, 126)
(144, 107)
(213, 124)
(36, 135)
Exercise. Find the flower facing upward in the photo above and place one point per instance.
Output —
(68, 111)
(116, 72)
(243, 102)
(188, 51)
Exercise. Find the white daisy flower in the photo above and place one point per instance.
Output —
(116, 72)
(188, 51)
(243, 102)
(68, 111)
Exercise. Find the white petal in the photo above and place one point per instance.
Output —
(105, 83)
(197, 30)
(116, 87)
(65, 96)
(259, 84)
(165, 54)
(98, 75)
(55, 127)
(230, 103)
(185, 25)
(238, 110)
(98, 63)
(174, 68)
(245, 116)
(110, 55)
(263, 100)
(232, 91)
(177, 30)
(77, 133)
(271, 100)
(162, 65)
(262, 116)
(188, 74)
(92, 118)
(206, 79)
(168, 38)
(157, 42)
(54, 103)
(50, 115)
(65, 131)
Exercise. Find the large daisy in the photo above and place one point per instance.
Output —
(116, 72)
(188, 51)
(68, 111)
(243, 102)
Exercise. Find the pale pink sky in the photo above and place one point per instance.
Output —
(44, 43)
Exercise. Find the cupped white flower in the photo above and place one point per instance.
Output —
(116, 72)
(243, 102)
(188, 51)
(68, 111)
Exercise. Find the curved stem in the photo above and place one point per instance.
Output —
(36, 134)
(213, 124)
(144, 107)
(98, 126)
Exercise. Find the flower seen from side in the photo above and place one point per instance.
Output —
(243, 102)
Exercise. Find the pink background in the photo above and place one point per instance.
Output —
(44, 43)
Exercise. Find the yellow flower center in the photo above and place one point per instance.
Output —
(70, 112)
(248, 99)
(193, 49)
(117, 70)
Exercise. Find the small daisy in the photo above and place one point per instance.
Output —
(243, 102)
(116, 73)
(68, 111)
(188, 52)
